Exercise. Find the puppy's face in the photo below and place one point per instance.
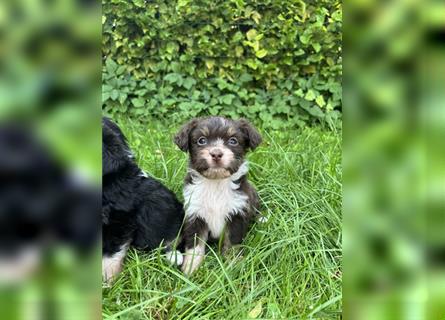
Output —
(217, 145)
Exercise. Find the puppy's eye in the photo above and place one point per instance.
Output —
(202, 141)
(232, 141)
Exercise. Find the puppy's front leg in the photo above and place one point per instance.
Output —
(195, 237)
(112, 264)
(235, 232)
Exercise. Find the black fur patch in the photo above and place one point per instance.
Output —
(136, 209)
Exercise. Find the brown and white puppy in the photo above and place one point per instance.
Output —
(218, 199)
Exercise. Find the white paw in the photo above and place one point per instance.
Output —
(20, 267)
(174, 257)
(112, 265)
(193, 259)
(263, 219)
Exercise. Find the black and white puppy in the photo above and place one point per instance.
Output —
(218, 199)
(137, 210)
(43, 206)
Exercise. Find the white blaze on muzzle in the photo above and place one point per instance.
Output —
(218, 147)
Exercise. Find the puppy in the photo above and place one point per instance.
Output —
(219, 201)
(42, 206)
(137, 210)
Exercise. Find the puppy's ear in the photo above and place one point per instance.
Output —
(252, 135)
(114, 152)
(183, 136)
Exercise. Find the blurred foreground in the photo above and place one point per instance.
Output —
(394, 168)
(50, 160)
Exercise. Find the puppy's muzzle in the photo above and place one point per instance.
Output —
(216, 154)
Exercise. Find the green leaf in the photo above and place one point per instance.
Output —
(209, 63)
(184, 106)
(173, 78)
(299, 52)
(320, 101)
(256, 16)
(139, 3)
(182, 3)
(256, 311)
(299, 93)
(196, 94)
(251, 34)
(114, 94)
(222, 84)
(261, 53)
(310, 95)
(243, 94)
(252, 64)
(305, 38)
(239, 51)
(188, 83)
(122, 97)
(215, 110)
(106, 88)
(238, 36)
(314, 110)
(227, 99)
(316, 47)
(105, 96)
(111, 66)
(141, 92)
(245, 77)
(151, 86)
(137, 102)
(172, 47)
(120, 70)
(282, 108)
(169, 102)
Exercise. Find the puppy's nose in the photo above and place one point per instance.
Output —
(216, 154)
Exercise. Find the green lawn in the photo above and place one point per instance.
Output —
(288, 267)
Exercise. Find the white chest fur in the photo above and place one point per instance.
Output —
(215, 200)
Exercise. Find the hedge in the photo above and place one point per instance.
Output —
(276, 61)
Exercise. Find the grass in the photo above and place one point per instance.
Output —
(287, 268)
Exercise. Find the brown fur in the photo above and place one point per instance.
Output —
(218, 131)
